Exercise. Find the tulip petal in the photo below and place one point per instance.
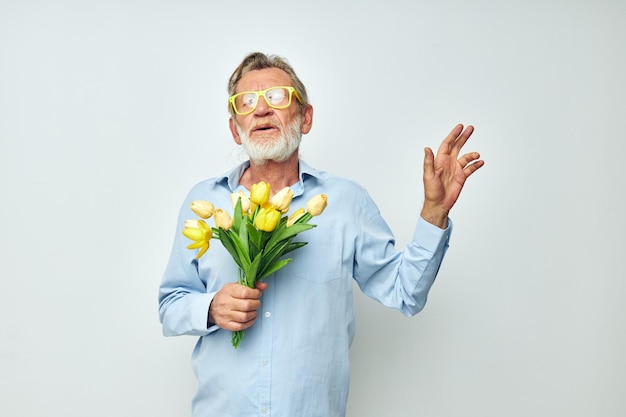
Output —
(203, 250)
(196, 245)
(193, 234)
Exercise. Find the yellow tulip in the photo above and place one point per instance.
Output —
(317, 204)
(294, 217)
(260, 193)
(223, 219)
(245, 201)
(202, 208)
(200, 235)
(267, 218)
(282, 199)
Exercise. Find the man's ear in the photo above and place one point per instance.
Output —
(233, 131)
(307, 119)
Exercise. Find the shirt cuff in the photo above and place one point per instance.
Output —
(431, 237)
(200, 313)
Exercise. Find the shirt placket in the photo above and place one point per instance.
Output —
(266, 348)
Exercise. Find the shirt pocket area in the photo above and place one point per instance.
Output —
(322, 258)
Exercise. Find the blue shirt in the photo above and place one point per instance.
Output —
(294, 360)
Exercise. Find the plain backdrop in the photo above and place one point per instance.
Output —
(111, 110)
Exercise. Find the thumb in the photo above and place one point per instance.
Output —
(429, 163)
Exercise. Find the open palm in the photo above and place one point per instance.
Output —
(446, 173)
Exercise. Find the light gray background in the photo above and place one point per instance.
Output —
(111, 111)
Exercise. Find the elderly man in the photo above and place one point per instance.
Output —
(299, 323)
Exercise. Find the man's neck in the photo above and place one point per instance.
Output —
(277, 174)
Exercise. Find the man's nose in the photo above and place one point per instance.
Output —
(262, 106)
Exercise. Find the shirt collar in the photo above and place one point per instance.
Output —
(233, 176)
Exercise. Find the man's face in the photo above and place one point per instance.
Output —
(268, 133)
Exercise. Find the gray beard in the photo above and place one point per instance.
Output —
(278, 150)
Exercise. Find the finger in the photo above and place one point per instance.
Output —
(241, 321)
(245, 316)
(468, 158)
(242, 292)
(429, 163)
(448, 142)
(261, 285)
(462, 138)
(471, 168)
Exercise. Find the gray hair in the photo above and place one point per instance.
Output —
(259, 61)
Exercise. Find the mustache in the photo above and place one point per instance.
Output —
(262, 124)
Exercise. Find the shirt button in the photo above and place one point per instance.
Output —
(268, 314)
(265, 362)
(264, 410)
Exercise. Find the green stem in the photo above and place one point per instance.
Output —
(237, 335)
(237, 338)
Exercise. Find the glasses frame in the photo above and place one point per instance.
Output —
(261, 93)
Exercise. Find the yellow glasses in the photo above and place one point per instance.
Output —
(275, 97)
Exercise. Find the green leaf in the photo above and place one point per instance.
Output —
(275, 267)
(229, 245)
(237, 216)
(243, 236)
(241, 250)
(285, 233)
(255, 235)
(251, 273)
(237, 250)
(277, 252)
(304, 218)
(265, 237)
(292, 246)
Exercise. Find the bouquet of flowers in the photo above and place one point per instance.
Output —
(258, 233)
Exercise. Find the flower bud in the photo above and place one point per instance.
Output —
(294, 217)
(260, 193)
(267, 218)
(200, 234)
(193, 233)
(245, 201)
(282, 199)
(317, 204)
(223, 219)
(202, 208)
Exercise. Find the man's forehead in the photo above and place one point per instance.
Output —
(262, 79)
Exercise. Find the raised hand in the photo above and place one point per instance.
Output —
(446, 173)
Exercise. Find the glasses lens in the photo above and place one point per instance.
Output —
(246, 102)
(278, 97)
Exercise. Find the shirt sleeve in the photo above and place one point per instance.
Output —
(399, 279)
(183, 298)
